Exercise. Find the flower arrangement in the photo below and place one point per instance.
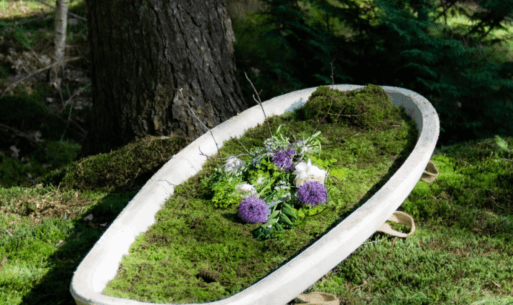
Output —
(277, 179)
(268, 188)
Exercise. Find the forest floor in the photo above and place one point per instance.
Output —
(461, 252)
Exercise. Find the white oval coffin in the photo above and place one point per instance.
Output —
(290, 280)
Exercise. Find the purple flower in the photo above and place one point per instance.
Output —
(282, 158)
(313, 193)
(253, 210)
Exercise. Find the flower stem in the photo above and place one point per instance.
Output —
(266, 187)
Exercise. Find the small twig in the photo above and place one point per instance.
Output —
(331, 99)
(135, 178)
(76, 93)
(259, 102)
(60, 94)
(352, 114)
(62, 100)
(69, 13)
(6, 231)
(38, 71)
(376, 241)
(493, 200)
(83, 131)
(200, 122)
(19, 134)
(243, 145)
(67, 123)
(332, 78)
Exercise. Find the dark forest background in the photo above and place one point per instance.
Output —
(283, 45)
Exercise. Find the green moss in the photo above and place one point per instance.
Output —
(369, 107)
(192, 234)
(473, 166)
(119, 168)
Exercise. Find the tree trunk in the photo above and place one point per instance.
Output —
(61, 21)
(142, 53)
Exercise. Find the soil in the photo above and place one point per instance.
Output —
(196, 253)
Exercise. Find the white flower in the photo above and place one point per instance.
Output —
(248, 189)
(260, 179)
(307, 172)
(233, 163)
(306, 148)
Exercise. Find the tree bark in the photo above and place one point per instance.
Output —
(142, 53)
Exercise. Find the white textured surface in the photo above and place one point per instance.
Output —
(283, 285)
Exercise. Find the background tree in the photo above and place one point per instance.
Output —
(142, 53)
(61, 20)
(402, 43)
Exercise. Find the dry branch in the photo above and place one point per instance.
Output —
(36, 72)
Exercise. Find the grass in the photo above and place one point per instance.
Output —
(459, 254)
(461, 251)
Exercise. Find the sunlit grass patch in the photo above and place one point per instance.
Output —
(436, 265)
(27, 8)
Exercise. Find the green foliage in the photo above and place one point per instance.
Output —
(255, 175)
(12, 172)
(280, 219)
(224, 192)
(271, 167)
(445, 74)
(337, 172)
(288, 210)
(306, 51)
(58, 153)
(265, 233)
(444, 70)
(323, 164)
(24, 108)
(4, 72)
(266, 170)
(306, 210)
(18, 34)
(208, 180)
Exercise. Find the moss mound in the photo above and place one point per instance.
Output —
(356, 107)
(118, 169)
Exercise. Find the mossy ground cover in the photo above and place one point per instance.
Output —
(367, 136)
(462, 250)
(38, 260)
(464, 222)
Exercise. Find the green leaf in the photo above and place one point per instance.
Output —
(286, 220)
(287, 210)
(274, 214)
(262, 234)
(270, 222)
(278, 228)
(338, 172)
